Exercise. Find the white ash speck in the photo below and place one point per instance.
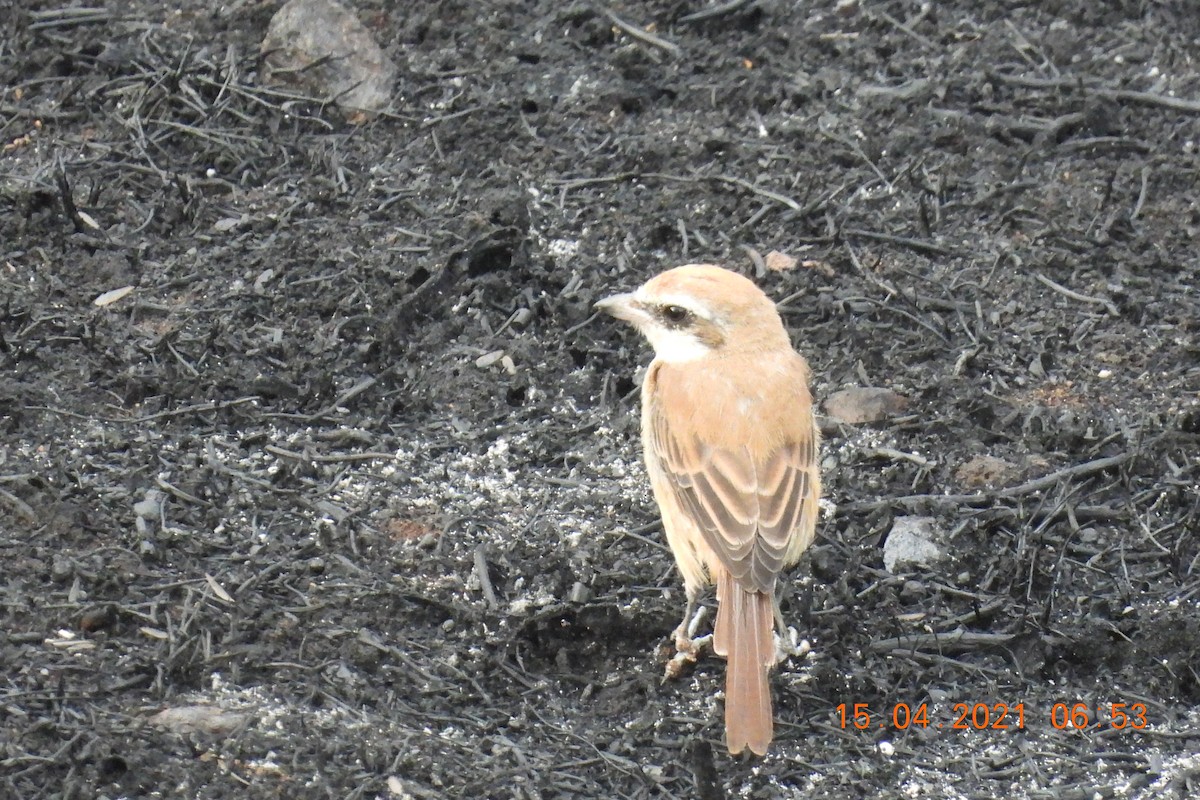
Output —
(563, 248)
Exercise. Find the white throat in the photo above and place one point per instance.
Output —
(675, 346)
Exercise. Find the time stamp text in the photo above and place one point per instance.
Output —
(992, 716)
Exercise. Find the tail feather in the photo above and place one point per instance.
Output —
(722, 624)
(742, 632)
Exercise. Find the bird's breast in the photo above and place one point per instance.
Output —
(729, 404)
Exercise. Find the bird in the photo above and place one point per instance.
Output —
(731, 449)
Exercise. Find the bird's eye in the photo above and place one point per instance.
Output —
(676, 315)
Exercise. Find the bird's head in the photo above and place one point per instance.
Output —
(699, 310)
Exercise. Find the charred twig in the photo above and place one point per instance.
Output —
(335, 458)
(43, 762)
(760, 266)
(883, 306)
(1083, 298)
(600, 180)
(1076, 471)
(906, 28)
(68, 17)
(176, 412)
(219, 466)
(23, 508)
(645, 539)
(1113, 142)
(1141, 200)
(1024, 47)
(64, 191)
(730, 180)
(11, 110)
(983, 613)
(569, 332)
(854, 147)
(719, 10)
(1128, 95)
(643, 35)
(899, 455)
(485, 579)
(761, 192)
(903, 241)
(1152, 99)
(175, 491)
(986, 498)
(893, 292)
(958, 640)
(351, 393)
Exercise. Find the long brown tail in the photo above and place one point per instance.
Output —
(742, 632)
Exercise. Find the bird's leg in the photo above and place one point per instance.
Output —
(685, 634)
(682, 640)
(787, 640)
(687, 646)
(788, 643)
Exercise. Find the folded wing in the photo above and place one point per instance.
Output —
(756, 514)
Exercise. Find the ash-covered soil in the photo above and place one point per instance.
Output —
(352, 467)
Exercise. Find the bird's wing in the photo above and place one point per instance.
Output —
(756, 514)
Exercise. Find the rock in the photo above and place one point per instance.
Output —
(860, 404)
(913, 542)
(199, 719)
(846, 8)
(779, 262)
(488, 359)
(150, 507)
(985, 471)
(321, 48)
(580, 594)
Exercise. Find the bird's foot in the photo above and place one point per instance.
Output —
(685, 634)
(790, 644)
(687, 651)
(687, 646)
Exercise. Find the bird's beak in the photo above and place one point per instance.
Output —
(622, 307)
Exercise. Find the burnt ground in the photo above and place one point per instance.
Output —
(288, 476)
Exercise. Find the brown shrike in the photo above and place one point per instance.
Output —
(731, 449)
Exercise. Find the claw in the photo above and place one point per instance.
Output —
(688, 651)
(685, 634)
(790, 646)
(687, 646)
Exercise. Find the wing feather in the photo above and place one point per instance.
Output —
(757, 516)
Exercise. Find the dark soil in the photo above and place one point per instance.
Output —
(289, 476)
